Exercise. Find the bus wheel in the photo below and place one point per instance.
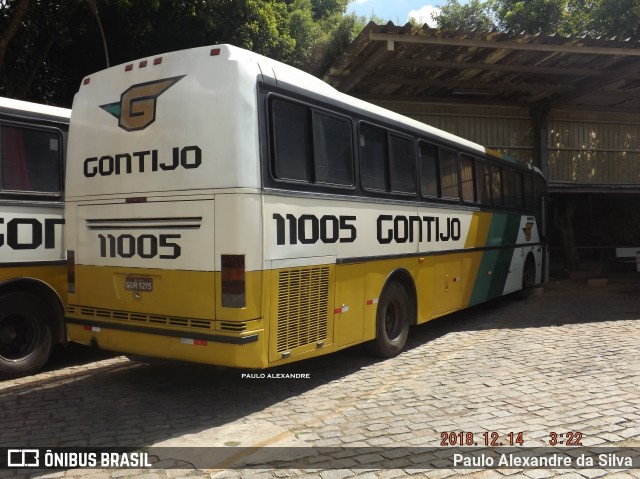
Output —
(25, 335)
(528, 278)
(392, 322)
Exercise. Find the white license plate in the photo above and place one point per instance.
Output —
(138, 283)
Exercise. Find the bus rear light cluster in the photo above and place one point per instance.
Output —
(143, 63)
(71, 271)
(233, 281)
(136, 199)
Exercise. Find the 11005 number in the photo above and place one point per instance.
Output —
(309, 229)
(144, 246)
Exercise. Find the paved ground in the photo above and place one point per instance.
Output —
(566, 361)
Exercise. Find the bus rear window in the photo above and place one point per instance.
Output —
(29, 160)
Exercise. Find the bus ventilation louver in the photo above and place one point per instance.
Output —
(303, 307)
(150, 319)
(236, 327)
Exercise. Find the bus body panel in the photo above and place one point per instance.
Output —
(31, 233)
(184, 347)
(190, 98)
(33, 270)
(349, 305)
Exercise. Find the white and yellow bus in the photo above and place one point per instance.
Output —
(225, 208)
(33, 270)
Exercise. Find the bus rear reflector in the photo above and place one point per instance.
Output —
(233, 281)
(71, 271)
(136, 199)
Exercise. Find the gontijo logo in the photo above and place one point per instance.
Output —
(527, 230)
(136, 109)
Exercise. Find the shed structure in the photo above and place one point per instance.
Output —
(569, 105)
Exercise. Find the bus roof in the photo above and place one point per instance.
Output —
(29, 107)
(281, 72)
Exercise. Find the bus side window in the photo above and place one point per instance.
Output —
(449, 174)
(402, 165)
(496, 185)
(518, 191)
(467, 177)
(333, 156)
(540, 192)
(508, 187)
(529, 197)
(30, 160)
(483, 182)
(373, 157)
(292, 141)
(428, 169)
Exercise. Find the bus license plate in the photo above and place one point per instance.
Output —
(138, 283)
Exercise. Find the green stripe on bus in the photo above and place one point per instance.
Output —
(494, 266)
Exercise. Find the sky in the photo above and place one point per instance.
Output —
(398, 11)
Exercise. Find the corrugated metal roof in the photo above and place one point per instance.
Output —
(390, 62)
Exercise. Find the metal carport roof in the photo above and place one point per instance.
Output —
(396, 63)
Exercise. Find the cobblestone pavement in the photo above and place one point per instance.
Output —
(566, 360)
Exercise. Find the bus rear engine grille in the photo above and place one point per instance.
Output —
(303, 307)
(151, 319)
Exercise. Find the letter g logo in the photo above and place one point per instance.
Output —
(136, 109)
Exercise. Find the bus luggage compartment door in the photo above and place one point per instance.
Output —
(447, 283)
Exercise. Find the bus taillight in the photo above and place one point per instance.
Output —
(71, 271)
(233, 281)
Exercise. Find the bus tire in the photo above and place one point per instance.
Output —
(528, 278)
(25, 334)
(392, 322)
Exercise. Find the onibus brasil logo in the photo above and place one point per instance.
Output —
(136, 109)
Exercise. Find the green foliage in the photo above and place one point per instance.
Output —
(46, 48)
(472, 15)
(607, 18)
(323, 9)
(58, 42)
(531, 16)
(616, 18)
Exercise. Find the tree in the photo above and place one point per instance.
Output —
(46, 48)
(475, 14)
(532, 16)
(10, 19)
(608, 18)
(616, 18)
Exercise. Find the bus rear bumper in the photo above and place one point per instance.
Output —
(245, 350)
